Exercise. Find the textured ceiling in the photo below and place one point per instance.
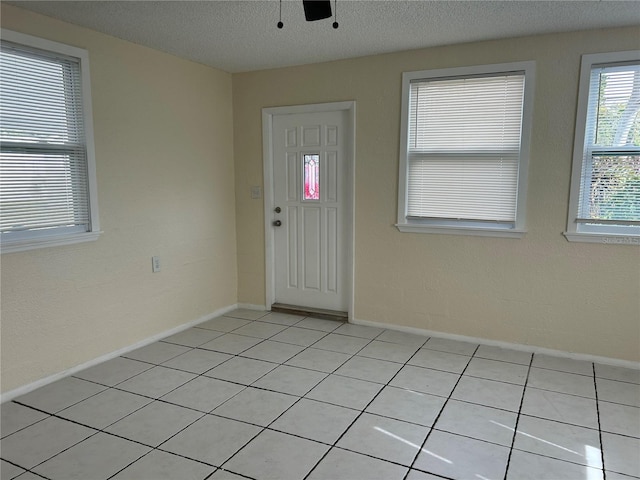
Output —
(239, 36)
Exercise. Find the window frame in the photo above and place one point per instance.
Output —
(467, 227)
(576, 231)
(33, 239)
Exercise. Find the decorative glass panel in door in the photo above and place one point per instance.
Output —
(311, 176)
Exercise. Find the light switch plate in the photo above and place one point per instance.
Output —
(256, 192)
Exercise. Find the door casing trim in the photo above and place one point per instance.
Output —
(267, 161)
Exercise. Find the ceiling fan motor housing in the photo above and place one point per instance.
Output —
(316, 9)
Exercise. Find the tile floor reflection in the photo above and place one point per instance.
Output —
(264, 396)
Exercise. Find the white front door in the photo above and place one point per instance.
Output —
(310, 190)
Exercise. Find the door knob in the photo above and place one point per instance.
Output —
(277, 223)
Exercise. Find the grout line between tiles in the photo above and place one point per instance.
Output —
(22, 468)
(496, 360)
(619, 381)
(595, 387)
(562, 393)
(151, 365)
(625, 435)
(370, 456)
(562, 371)
(38, 475)
(68, 406)
(572, 462)
(131, 463)
(435, 421)
(209, 477)
(515, 427)
(96, 431)
(528, 415)
(31, 424)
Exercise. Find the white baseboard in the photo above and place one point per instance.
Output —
(251, 306)
(10, 395)
(497, 343)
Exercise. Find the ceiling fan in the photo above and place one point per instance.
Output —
(314, 10)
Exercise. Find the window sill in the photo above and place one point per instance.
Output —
(21, 245)
(602, 238)
(471, 231)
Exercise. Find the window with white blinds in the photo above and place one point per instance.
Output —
(46, 160)
(464, 150)
(605, 203)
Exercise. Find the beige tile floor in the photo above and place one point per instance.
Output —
(271, 396)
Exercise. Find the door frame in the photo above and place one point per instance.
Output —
(267, 160)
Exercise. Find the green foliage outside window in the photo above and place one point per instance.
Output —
(615, 178)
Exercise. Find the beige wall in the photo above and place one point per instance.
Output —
(541, 290)
(163, 136)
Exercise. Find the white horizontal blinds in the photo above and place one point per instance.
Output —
(464, 147)
(43, 164)
(610, 179)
